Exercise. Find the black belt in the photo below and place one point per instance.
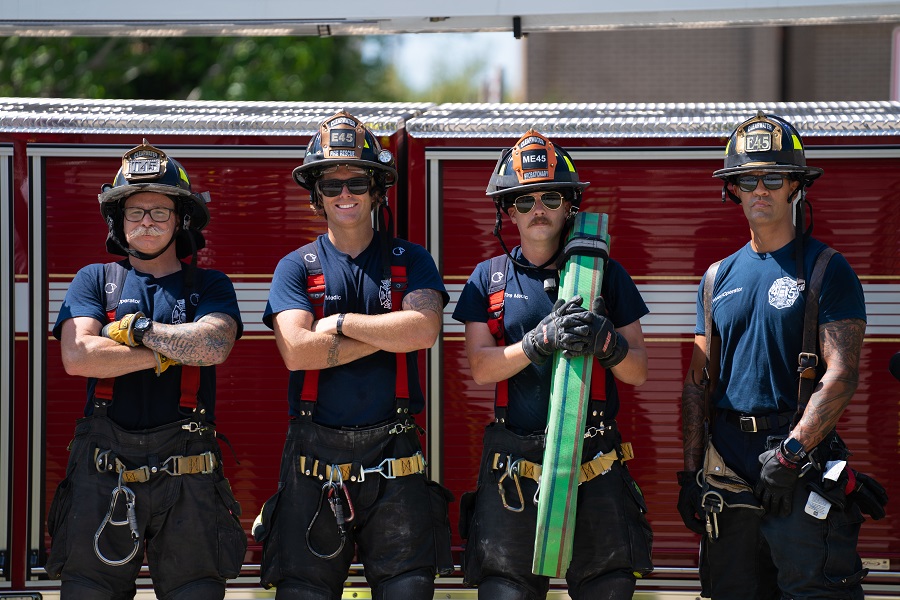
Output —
(753, 424)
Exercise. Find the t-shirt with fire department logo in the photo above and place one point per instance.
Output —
(525, 304)
(758, 313)
(361, 392)
(142, 400)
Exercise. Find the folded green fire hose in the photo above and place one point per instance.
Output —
(569, 398)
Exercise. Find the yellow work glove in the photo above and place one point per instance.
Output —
(122, 330)
(163, 362)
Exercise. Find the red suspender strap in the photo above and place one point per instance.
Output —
(496, 293)
(399, 285)
(103, 389)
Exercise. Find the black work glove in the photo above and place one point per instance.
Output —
(868, 494)
(565, 328)
(777, 478)
(690, 503)
(607, 344)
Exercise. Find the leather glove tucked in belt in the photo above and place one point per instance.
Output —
(564, 328)
(777, 479)
(607, 344)
(122, 331)
(690, 502)
(867, 493)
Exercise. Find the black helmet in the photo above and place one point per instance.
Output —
(343, 140)
(533, 163)
(766, 143)
(149, 169)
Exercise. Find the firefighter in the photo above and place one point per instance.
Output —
(535, 183)
(771, 496)
(350, 310)
(145, 471)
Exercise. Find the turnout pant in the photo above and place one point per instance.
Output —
(399, 528)
(187, 524)
(612, 536)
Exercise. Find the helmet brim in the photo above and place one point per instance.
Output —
(809, 173)
(532, 187)
(303, 181)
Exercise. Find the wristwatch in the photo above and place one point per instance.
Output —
(793, 450)
(141, 327)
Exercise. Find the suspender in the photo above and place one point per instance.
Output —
(808, 360)
(114, 274)
(708, 283)
(315, 289)
(496, 296)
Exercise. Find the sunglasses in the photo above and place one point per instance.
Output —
(771, 181)
(550, 200)
(334, 187)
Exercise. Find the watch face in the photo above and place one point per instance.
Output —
(794, 446)
(142, 323)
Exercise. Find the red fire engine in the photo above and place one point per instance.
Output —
(650, 170)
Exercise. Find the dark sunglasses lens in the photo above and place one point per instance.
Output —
(552, 200)
(524, 204)
(334, 187)
(771, 181)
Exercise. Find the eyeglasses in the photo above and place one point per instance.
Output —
(334, 187)
(158, 214)
(772, 181)
(550, 200)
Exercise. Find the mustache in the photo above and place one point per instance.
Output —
(152, 231)
(539, 221)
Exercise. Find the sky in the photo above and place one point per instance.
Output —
(418, 54)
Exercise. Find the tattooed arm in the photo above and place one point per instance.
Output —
(205, 342)
(692, 408)
(841, 342)
(302, 348)
(414, 327)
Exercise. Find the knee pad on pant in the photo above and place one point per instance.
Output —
(414, 585)
(496, 588)
(206, 589)
(617, 585)
(294, 591)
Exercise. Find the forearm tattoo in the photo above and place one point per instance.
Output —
(333, 360)
(692, 417)
(422, 300)
(204, 343)
(841, 343)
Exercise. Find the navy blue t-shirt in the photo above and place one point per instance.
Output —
(758, 313)
(141, 400)
(525, 304)
(361, 392)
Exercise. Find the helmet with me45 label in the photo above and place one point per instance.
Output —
(148, 169)
(769, 144)
(343, 139)
(534, 163)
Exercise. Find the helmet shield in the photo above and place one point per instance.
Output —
(766, 143)
(344, 140)
(534, 163)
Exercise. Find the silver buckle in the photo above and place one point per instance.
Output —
(380, 470)
(170, 466)
(752, 422)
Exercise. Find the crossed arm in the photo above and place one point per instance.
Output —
(307, 344)
(86, 353)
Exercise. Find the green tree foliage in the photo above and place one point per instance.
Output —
(262, 68)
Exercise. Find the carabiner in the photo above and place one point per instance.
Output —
(130, 520)
(512, 471)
